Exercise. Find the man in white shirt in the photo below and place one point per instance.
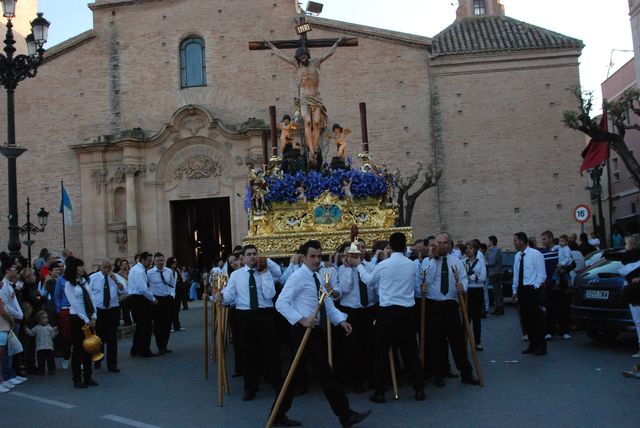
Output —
(445, 277)
(162, 285)
(297, 303)
(251, 291)
(528, 275)
(396, 280)
(141, 302)
(105, 288)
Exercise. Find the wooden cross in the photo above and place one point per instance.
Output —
(302, 29)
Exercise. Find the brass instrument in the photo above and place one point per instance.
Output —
(92, 343)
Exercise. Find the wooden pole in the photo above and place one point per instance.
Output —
(274, 131)
(214, 315)
(294, 365)
(394, 379)
(294, 44)
(363, 127)
(265, 150)
(329, 343)
(220, 360)
(470, 338)
(206, 337)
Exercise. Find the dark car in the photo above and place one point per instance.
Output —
(597, 303)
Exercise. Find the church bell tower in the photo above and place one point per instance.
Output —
(475, 8)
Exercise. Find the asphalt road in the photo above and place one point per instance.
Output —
(578, 384)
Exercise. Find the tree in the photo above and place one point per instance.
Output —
(619, 113)
(407, 201)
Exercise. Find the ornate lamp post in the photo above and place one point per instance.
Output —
(29, 228)
(12, 71)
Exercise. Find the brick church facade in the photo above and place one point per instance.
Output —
(153, 161)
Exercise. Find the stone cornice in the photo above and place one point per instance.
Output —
(102, 4)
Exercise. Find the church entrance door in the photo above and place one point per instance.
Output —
(201, 231)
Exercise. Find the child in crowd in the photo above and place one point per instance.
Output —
(564, 262)
(44, 335)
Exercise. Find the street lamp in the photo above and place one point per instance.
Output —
(28, 228)
(13, 70)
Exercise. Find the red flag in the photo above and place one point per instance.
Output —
(596, 152)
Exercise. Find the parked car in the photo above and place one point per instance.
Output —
(593, 257)
(597, 304)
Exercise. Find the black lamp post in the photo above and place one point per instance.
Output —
(12, 71)
(29, 228)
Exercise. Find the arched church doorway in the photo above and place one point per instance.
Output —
(201, 231)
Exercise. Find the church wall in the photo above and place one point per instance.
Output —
(505, 147)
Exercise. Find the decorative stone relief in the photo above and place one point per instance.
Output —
(193, 123)
(121, 240)
(99, 178)
(131, 170)
(197, 167)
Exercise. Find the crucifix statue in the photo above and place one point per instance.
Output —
(312, 108)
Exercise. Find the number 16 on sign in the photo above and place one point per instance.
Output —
(582, 214)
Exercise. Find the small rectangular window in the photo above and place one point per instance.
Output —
(479, 7)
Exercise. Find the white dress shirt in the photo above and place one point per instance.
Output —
(274, 269)
(478, 276)
(534, 270)
(138, 282)
(434, 274)
(96, 288)
(11, 305)
(162, 283)
(237, 293)
(299, 298)
(76, 300)
(349, 288)
(288, 272)
(395, 278)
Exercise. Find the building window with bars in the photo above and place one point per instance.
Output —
(479, 7)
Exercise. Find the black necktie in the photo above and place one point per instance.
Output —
(521, 270)
(106, 293)
(364, 296)
(323, 310)
(444, 277)
(88, 304)
(253, 291)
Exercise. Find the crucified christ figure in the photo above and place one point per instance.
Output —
(312, 108)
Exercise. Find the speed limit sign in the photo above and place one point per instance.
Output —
(582, 214)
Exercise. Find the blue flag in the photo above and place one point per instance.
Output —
(65, 207)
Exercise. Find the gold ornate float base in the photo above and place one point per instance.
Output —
(284, 227)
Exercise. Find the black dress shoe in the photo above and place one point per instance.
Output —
(377, 398)
(439, 382)
(114, 369)
(284, 421)
(451, 375)
(90, 382)
(540, 352)
(470, 380)
(148, 355)
(355, 418)
(79, 384)
(358, 389)
(248, 396)
(419, 396)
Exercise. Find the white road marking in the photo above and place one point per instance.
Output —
(44, 400)
(129, 422)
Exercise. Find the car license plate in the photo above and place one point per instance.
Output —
(596, 294)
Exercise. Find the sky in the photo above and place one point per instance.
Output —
(603, 25)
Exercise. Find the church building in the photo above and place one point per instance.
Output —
(152, 117)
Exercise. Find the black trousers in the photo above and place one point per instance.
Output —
(46, 355)
(316, 354)
(360, 345)
(125, 309)
(560, 306)
(257, 344)
(529, 306)
(162, 317)
(180, 291)
(475, 307)
(107, 330)
(78, 355)
(444, 325)
(141, 310)
(396, 325)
